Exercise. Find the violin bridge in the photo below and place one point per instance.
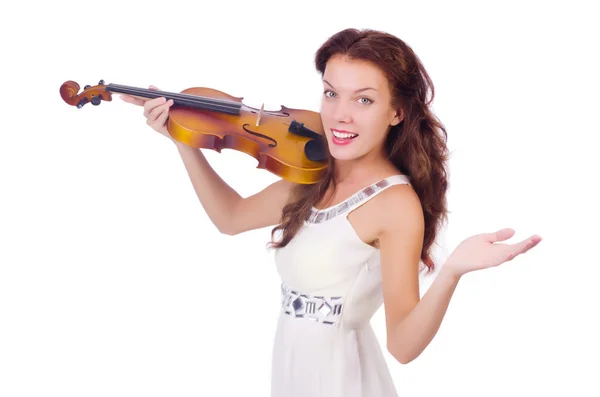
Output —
(260, 114)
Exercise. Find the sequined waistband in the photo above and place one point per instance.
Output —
(321, 309)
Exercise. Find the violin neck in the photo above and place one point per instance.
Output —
(194, 101)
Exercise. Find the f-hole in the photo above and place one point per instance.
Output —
(245, 127)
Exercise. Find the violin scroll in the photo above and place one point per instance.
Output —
(69, 92)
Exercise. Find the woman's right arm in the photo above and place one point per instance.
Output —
(230, 213)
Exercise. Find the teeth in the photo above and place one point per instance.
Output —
(343, 135)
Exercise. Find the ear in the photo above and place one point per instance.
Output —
(398, 117)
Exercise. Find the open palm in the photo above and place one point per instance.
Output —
(483, 251)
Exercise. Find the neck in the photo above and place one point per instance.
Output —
(194, 101)
(360, 171)
(363, 169)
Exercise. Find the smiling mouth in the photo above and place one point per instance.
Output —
(343, 135)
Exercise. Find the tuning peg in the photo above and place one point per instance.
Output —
(96, 100)
(101, 82)
(81, 103)
(86, 87)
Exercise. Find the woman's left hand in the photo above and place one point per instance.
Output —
(480, 251)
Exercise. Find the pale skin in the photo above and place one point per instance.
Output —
(357, 98)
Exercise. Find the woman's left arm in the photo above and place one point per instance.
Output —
(412, 322)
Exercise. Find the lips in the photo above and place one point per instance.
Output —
(343, 134)
(342, 137)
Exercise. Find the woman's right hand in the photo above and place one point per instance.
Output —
(156, 111)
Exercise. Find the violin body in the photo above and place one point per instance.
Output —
(288, 142)
(275, 148)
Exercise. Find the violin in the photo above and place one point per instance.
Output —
(288, 142)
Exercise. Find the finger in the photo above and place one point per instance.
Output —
(153, 103)
(154, 113)
(157, 111)
(135, 100)
(514, 250)
(529, 243)
(162, 117)
(500, 235)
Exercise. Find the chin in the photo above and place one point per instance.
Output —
(343, 154)
(349, 152)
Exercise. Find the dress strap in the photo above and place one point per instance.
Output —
(358, 199)
(373, 190)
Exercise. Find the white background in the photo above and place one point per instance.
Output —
(114, 282)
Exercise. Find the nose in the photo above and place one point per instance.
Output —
(342, 112)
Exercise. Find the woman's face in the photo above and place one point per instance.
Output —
(356, 108)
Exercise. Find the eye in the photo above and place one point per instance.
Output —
(366, 101)
(327, 92)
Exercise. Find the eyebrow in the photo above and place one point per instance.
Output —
(359, 90)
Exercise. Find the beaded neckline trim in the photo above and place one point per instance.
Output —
(319, 216)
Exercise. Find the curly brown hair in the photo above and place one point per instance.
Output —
(416, 146)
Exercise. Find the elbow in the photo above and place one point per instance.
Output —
(402, 359)
(228, 231)
(227, 224)
(232, 228)
(399, 355)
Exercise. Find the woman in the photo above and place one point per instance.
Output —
(356, 239)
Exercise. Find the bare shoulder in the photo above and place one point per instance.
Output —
(397, 207)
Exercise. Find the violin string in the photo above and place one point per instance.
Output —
(175, 94)
(183, 99)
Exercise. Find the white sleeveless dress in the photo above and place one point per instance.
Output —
(331, 287)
